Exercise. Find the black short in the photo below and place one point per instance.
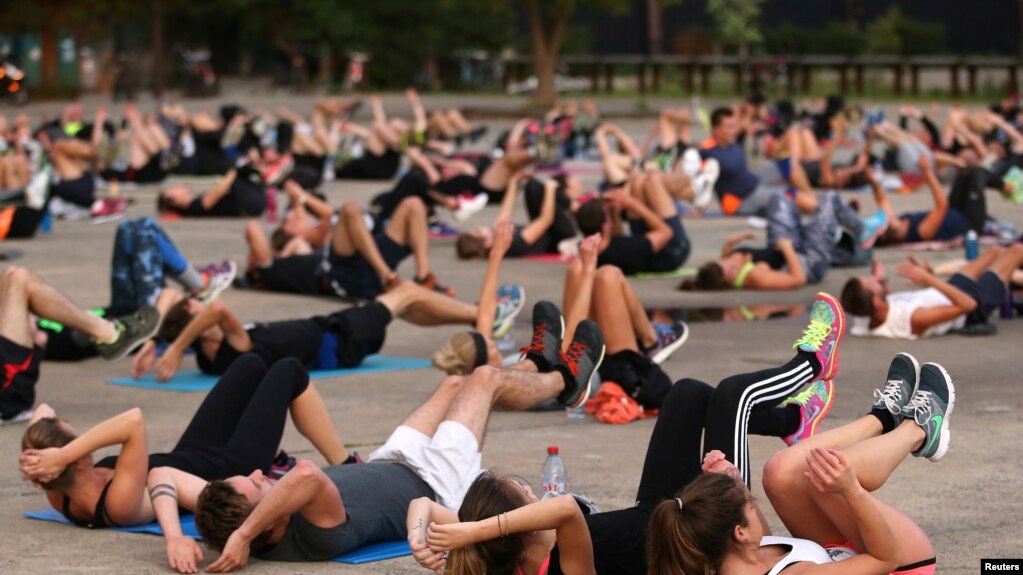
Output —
(354, 274)
(19, 372)
(79, 191)
(19, 222)
(149, 173)
(638, 376)
(988, 292)
(360, 331)
(372, 167)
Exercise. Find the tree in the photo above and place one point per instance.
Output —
(547, 20)
(737, 21)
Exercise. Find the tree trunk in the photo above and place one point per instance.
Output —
(546, 39)
(50, 55)
(159, 78)
(653, 27)
(326, 66)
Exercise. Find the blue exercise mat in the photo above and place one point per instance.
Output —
(196, 381)
(365, 554)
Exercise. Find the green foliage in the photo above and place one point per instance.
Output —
(835, 38)
(737, 21)
(895, 34)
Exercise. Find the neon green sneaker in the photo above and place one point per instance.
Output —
(931, 407)
(823, 333)
(814, 404)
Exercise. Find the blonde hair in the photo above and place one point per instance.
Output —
(45, 433)
(458, 355)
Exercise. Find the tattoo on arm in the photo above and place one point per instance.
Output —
(163, 490)
(419, 523)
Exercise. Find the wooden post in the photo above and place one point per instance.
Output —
(595, 77)
(859, 79)
(641, 77)
(738, 76)
(914, 79)
(954, 73)
(971, 79)
(807, 79)
(897, 71)
(1013, 79)
(609, 77)
(843, 79)
(704, 78)
(657, 76)
(690, 73)
(790, 80)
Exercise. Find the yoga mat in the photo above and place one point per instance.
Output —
(185, 179)
(188, 381)
(365, 554)
(682, 272)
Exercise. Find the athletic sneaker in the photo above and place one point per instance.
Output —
(510, 300)
(16, 418)
(64, 210)
(1014, 177)
(282, 464)
(38, 188)
(823, 333)
(703, 184)
(107, 209)
(691, 162)
(132, 331)
(440, 229)
(548, 331)
(171, 157)
(277, 172)
(903, 379)
(814, 404)
(582, 358)
(873, 227)
(430, 282)
(469, 205)
(218, 278)
(669, 338)
(931, 406)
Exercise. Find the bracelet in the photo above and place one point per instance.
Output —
(507, 528)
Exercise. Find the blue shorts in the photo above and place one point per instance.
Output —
(988, 291)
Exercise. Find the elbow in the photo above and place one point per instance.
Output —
(134, 416)
(304, 470)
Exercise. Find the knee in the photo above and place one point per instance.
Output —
(687, 391)
(414, 204)
(17, 277)
(452, 382)
(351, 210)
(608, 274)
(483, 377)
(783, 472)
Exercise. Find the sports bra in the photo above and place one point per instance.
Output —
(740, 278)
(99, 514)
(800, 551)
(543, 567)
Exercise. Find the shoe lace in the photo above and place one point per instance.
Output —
(920, 405)
(572, 355)
(803, 397)
(537, 343)
(814, 335)
(891, 396)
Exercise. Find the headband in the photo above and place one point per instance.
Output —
(481, 349)
(679, 501)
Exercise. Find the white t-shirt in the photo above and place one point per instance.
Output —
(899, 324)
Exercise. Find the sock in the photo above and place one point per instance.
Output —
(811, 357)
(569, 380)
(190, 278)
(887, 418)
(542, 365)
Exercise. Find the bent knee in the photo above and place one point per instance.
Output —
(783, 472)
(16, 275)
(609, 273)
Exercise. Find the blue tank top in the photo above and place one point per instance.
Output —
(954, 225)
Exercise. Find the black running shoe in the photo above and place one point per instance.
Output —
(548, 331)
(132, 331)
(581, 360)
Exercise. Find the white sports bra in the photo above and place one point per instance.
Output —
(802, 550)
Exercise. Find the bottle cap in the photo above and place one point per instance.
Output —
(552, 450)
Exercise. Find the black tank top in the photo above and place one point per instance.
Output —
(99, 514)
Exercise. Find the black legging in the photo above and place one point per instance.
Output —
(563, 226)
(740, 404)
(967, 196)
(238, 427)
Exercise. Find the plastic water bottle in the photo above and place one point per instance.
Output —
(553, 478)
(972, 246)
(46, 223)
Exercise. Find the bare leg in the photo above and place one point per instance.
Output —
(314, 423)
(70, 158)
(351, 236)
(22, 292)
(974, 269)
(500, 171)
(511, 389)
(421, 306)
(1009, 261)
(260, 253)
(619, 312)
(428, 416)
(650, 190)
(408, 228)
(678, 185)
